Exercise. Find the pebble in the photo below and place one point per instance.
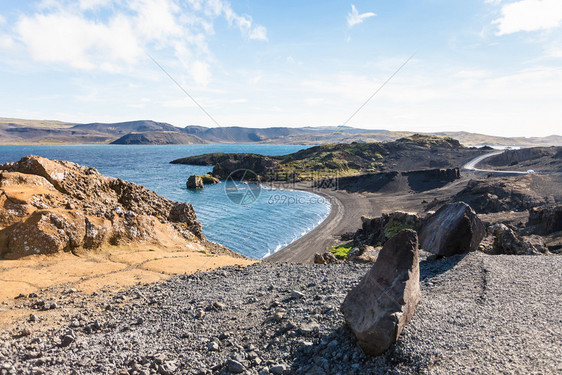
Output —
(296, 294)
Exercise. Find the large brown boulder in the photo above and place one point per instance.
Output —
(384, 301)
(453, 229)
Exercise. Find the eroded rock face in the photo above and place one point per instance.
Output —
(546, 220)
(49, 206)
(498, 194)
(506, 241)
(384, 301)
(453, 229)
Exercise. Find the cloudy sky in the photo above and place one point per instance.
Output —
(488, 66)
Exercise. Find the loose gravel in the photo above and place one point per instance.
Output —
(479, 313)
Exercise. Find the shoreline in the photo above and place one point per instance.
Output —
(345, 216)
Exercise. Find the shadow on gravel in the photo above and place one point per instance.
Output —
(338, 353)
(433, 266)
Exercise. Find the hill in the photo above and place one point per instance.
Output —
(17, 131)
(158, 138)
(410, 153)
(539, 159)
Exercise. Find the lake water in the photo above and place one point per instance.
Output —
(255, 228)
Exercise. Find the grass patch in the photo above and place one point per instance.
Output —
(394, 227)
(341, 251)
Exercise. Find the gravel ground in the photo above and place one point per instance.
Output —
(479, 313)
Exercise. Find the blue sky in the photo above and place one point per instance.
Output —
(487, 66)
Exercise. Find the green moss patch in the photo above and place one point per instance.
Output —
(341, 251)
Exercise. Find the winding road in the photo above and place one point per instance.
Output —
(471, 165)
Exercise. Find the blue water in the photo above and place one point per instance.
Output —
(275, 219)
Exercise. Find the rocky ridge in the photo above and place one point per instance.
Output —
(406, 154)
(51, 206)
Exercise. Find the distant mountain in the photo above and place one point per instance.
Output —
(18, 131)
(158, 138)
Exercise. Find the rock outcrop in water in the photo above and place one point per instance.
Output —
(51, 206)
(194, 182)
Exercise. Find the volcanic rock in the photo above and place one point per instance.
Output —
(546, 220)
(194, 182)
(49, 206)
(363, 254)
(379, 229)
(509, 193)
(325, 258)
(506, 241)
(383, 302)
(209, 179)
(453, 229)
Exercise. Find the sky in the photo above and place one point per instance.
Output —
(484, 66)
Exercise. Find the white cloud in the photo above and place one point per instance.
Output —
(93, 4)
(258, 33)
(255, 79)
(200, 72)
(354, 18)
(83, 44)
(529, 15)
(6, 42)
(113, 35)
(2, 19)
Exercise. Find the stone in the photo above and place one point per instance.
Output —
(506, 241)
(194, 182)
(235, 366)
(453, 229)
(212, 346)
(278, 369)
(296, 294)
(66, 340)
(364, 254)
(325, 258)
(26, 332)
(384, 301)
